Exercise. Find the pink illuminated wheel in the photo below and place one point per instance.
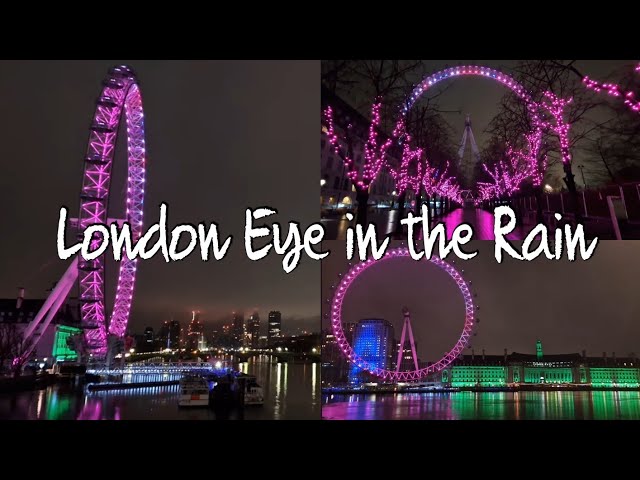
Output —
(336, 319)
(120, 93)
(468, 70)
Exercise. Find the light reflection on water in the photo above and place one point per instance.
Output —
(291, 392)
(556, 405)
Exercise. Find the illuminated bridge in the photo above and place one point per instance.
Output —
(157, 368)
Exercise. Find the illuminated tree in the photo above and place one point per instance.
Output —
(374, 156)
(549, 84)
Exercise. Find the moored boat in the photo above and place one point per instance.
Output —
(194, 392)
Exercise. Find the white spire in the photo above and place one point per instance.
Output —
(468, 135)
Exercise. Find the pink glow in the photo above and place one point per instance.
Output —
(336, 319)
(447, 187)
(375, 151)
(518, 165)
(120, 93)
(469, 70)
(556, 107)
(409, 175)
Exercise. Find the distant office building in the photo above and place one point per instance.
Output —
(253, 331)
(406, 362)
(275, 326)
(349, 329)
(237, 329)
(195, 332)
(169, 335)
(335, 367)
(373, 342)
(149, 340)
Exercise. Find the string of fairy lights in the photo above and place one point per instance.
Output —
(615, 90)
(507, 176)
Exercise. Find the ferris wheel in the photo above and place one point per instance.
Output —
(418, 372)
(119, 98)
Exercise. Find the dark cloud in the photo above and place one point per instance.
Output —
(221, 136)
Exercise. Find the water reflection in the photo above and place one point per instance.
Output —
(556, 405)
(286, 388)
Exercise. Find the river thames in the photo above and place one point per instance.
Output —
(551, 405)
(291, 390)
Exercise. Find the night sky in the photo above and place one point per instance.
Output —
(570, 306)
(221, 137)
(480, 97)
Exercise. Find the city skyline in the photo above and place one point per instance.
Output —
(290, 324)
(197, 163)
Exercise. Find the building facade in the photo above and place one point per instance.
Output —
(237, 329)
(519, 369)
(275, 326)
(253, 331)
(373, 342)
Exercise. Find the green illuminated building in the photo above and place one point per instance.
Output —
(62, 346)
(517, 369)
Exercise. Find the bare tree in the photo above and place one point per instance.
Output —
(616, 150)
(514, 119)
(13, 347)
(363, 81)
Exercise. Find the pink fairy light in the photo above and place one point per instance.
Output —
(615, 91)
(375, 150)
(436, 182)
(120, 94)
(392, 375)
(468, 70)
(510, 173)
(440, 184)
(408, 176)
(556, 106)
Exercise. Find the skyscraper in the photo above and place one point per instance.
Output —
(169, 335)
(275, 326)
(195, 332)
(237, 329)
(253, 330)
(373, 343)
(149, 340)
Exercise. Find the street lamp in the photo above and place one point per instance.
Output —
(323, 182)
(581, 167)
